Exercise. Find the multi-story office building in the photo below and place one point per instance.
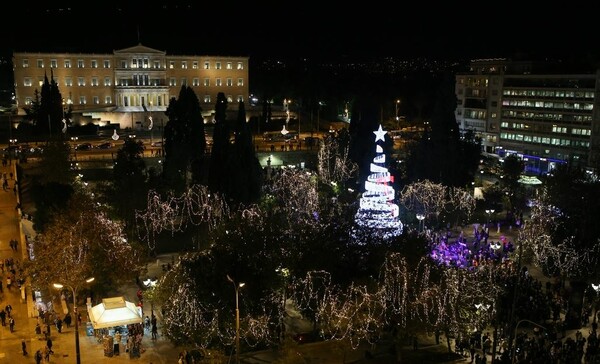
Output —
(546, 118)
(129, 85)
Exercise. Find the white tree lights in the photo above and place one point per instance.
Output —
(377, 212)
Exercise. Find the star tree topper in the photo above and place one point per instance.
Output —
(380, 134)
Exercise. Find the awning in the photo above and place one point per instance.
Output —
(114, 311)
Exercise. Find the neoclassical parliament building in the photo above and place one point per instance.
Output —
(129, 85)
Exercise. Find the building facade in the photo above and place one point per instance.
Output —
(131, 85)
(544, 118)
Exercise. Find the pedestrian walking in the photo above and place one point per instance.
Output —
(38, 357)
(49, 345)
(24, 347)
(11, 323)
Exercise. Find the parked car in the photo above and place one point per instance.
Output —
(106, 145)
(84, 146)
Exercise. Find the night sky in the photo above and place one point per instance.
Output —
(459, 30)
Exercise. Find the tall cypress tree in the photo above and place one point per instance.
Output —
(185, 141)
(217, 177)
(246, 174)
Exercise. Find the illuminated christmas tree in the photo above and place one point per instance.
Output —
(377, 214)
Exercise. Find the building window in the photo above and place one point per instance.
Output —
(229, 66)
(40, 81)
(82, 100)
(96, 100)
(240, 98)
(80, 81)
(240, 66)
(156, 64)
(217, 65)
(27, 82)
(107, 100)
(171, 64)
(146, 64)
(183, 81)
(229, 82)
(195, 65)
(106, 81)
(172, 81)
(68, 81)
(229, 98)
(240, 82)
(67, 63)
(94, 63)
(28, 101)
(206, 98)
(25, 63)
(207, 82)
(134, 63)
(218, 82)
(53, 63)
(184, 65)
(206, 65)
(106, 63)
(196, 81)
(95, 81)
(80, 63)
(40, 63)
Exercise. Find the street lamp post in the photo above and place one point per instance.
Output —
(489, 212)
(397, 117)
(596, 288)
(236, 287)
(515, 337)
(420, 217)
(76, 318)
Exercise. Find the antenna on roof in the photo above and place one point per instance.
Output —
(138, 34)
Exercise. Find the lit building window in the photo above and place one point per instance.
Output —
(196, 82)
(80, 81)
(171, 64)
(206, 98)
(240, 82)
(206, 65)
(27, 82)
(106, 63)
(229, 82)
(195, 65)
(218, 82)
(217, 65)
(229, 98)
(94, 81)
(53, 63)
(107, 81)
(172, 81)
(67, 63)
(207, 82)
(240, 66)
(184, 65)
(96, 100)
(82, 100)
(25, 63)
(107, 100)
(80, 63)
(229, 66)
(40, 63)
(68, 81)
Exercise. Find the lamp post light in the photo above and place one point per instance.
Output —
(420, 217)
(150, 283)
(397, 117)
(596, 288)
(74, 292)
(489, 212)
(515, 337)
(236, 287)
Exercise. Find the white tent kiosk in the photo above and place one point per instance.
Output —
(114, 311)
